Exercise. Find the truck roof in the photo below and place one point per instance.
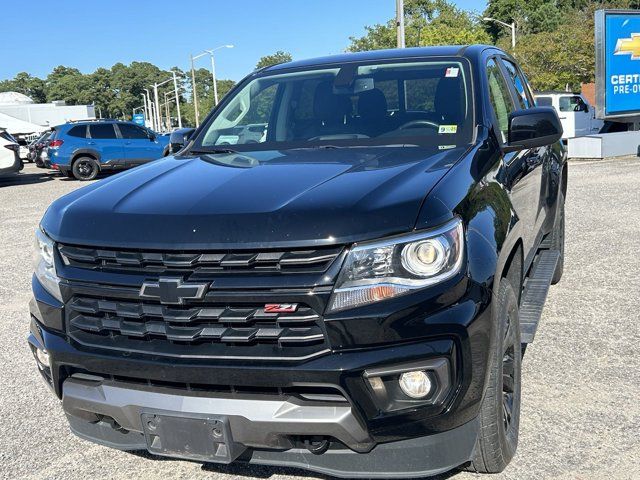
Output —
(388, 54)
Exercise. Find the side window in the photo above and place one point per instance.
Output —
(102, 131)
(79, 131)
(131, 132)
(500, 98)
(573, 103)
(519, 83)
(544, 101)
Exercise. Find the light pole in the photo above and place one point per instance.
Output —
(155, 94)
(400, 23)
(213, 71)
(511, 26)
(175, 88)
(151, 116)
(213, 75)
(167, 109)
(193, 93)
(146, 109)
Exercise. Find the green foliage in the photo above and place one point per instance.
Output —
(556, 52)
(274, 59)
(24, 83)
(560, 59)
(427, 22)
(116, 91)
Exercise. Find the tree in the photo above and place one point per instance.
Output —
(427, 22)
(24, 83)
(559, 59)
(274, 59)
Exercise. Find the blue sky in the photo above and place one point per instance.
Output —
(88, 34)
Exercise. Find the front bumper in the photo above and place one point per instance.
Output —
(255, 422)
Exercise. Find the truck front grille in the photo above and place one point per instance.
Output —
(214, 262)
(209, 330)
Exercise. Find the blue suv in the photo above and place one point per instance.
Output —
(83, 149)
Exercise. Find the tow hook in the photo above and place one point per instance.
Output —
(316, 445)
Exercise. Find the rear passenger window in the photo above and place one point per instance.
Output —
(500, 98)
(78, 131)
(104, 130)
(131, 132)
(519, 83)
(544, 102)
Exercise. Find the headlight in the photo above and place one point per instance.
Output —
(44, 264)
(380, 270)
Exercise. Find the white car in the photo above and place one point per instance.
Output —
(577, 116)
(10, 161)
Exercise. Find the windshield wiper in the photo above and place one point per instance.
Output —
(213, 151)
(317, 147)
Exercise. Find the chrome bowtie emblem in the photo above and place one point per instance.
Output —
(173, 290)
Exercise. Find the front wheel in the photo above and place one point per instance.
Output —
(85, 168)
(500, 411)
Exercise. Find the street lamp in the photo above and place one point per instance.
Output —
(213, 75)
(151, 116)
(167, 108)
(511, 26)
(146, 107)
(157, 100)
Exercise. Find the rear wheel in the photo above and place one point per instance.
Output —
(85, 168)
(500, 411)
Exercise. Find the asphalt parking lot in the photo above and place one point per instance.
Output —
(581, 397)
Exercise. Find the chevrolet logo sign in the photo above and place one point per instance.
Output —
(173, 291)
(629, 46)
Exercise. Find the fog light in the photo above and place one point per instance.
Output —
(416, 384)
(43, 358)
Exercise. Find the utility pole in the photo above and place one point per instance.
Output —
(193, 93)
(400, 23)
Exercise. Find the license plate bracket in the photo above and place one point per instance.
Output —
(206, 438)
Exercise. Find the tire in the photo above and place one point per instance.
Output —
(85, 168)
(500, 411)
(558, 239)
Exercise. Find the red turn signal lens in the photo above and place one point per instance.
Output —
(55, 143)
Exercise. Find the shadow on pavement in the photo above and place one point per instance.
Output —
(27, 178)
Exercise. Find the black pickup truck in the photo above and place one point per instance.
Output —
(349, 290)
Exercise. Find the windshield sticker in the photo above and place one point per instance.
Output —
(448, 129)
(452, 72)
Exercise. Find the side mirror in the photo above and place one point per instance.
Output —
(179, 138)
(532, 128)
(152, 137)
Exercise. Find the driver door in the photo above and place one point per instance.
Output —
(139, 147)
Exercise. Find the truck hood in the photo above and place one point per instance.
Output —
(305, 197)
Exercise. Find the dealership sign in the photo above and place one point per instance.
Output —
(138, 118)
(617, 63)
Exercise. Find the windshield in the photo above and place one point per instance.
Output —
(356, 104)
